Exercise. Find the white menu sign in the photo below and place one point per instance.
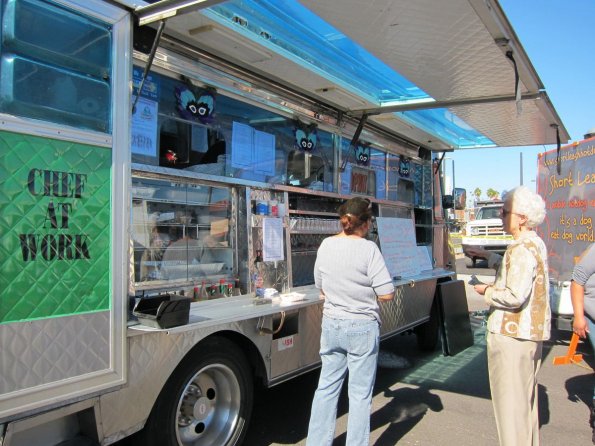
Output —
(399, 249)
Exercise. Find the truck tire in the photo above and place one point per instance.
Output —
(427, 333)
(207, 401)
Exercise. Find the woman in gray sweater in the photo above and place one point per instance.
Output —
(352, 276)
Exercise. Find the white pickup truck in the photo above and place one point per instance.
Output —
(486, 230)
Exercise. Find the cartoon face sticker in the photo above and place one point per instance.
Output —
(404, 169)
(306, 139)
(193, 108)
(362, 154)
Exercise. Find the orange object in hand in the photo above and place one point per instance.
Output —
(570, 355)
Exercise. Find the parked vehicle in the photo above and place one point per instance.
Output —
(169, 169)
(486, 230)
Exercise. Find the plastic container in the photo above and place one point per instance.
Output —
(165, 311)
(273, 208)
(262, 207)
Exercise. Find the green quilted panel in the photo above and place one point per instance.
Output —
(54, 228)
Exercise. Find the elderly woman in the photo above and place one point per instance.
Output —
(519, 319)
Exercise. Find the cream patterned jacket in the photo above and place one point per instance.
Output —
(519, 299)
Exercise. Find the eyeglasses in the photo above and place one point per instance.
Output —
(505, 212)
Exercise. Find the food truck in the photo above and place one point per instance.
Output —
(566, 181)
(169, 168)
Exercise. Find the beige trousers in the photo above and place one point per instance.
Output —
(513, 365)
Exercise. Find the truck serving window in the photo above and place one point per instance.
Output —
(56, 65)
(237, 139)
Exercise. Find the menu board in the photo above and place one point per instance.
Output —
(569, 196)
(398, 246)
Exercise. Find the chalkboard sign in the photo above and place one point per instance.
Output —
(398, 246)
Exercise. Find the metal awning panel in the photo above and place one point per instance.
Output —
(450, 52)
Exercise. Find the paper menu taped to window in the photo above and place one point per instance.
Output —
(272, 245)
(398, 246)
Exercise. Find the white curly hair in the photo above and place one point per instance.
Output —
(526, 202)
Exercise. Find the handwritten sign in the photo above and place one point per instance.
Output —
(570, 200)
(399, 249)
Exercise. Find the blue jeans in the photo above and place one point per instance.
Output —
(345, 344)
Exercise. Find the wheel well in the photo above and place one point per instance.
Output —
(248, 348)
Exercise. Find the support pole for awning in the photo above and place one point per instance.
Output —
(149, 63)
(356, 135)
(445, 104)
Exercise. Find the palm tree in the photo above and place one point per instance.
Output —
(477, 193)
(492, 194)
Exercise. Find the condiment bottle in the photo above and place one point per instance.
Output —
(204, 293)
(229, 290)
(195, 292)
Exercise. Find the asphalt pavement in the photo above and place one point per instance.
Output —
(438, 400)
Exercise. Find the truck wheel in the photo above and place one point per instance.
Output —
(206, 402)
(427, 333)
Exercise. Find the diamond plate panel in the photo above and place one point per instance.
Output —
(43, 352)
(410, 305)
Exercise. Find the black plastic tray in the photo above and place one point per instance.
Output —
(164, 311)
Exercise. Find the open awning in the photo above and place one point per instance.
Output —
(445, 74)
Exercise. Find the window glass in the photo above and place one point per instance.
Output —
(56, 65)
(364, 170)
(422, 177)
(378, 164)
(236, 140)
(181, 232)
(400, 179)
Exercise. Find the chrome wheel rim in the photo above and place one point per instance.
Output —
(209, 408)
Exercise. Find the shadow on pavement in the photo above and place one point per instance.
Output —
(287, 406)
(407, 408)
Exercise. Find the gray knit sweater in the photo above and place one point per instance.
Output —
(351, 272)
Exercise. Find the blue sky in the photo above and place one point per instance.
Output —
(558, 36)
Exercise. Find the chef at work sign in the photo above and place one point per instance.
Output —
(55, 228)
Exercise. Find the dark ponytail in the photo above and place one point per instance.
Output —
(354, 213)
